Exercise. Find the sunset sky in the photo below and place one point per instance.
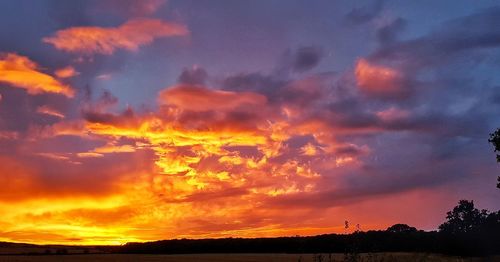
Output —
(126, 120)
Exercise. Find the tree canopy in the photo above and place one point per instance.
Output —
(495, 141)
(464, 218)
(401, 228)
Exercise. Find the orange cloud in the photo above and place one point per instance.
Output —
(198, 98)
(115, 149)
(378, 80)
(20, 71)
(89, 154)
(107, 149)
(309, 150)
(66, 72)
(101, 40)
(53, 156)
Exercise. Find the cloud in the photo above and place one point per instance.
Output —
(66, 72)
(361, 15)
(198, 98)
(8, 135)
(130, 7)
(298, 60)
(309, 150)
(101, 40)
(20, 176)
(115, 149)
(49, 111)
(104, 77)
(392, 114)
(20, 71)
(65, 128)
(99, 101)
(193, 76)
(37, 177)
(445, 43)
(379, 81)
(89, 154)
(306, 58)
(388, 33)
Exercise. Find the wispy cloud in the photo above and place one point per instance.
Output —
(49, 111)
(106, 40)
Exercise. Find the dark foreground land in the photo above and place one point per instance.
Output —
(457, 240)
(368, 257)
(371, 246)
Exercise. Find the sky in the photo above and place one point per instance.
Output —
(126, 120)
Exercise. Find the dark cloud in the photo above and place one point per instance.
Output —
(495, 96)
(454, 37)
(281, 91)
(129, 8)
(299, 60)
(193, 76)
(306, 58)
(69, 12)
(350, 150)
(361, 15)
(265, 84)
(107, 98)
(389, 33)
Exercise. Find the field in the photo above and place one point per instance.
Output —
(386, 257)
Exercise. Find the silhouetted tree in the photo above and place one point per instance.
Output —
(495, 141)
(464, 218)
(492, 222)
(401, 228)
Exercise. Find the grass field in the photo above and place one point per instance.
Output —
(386, 257)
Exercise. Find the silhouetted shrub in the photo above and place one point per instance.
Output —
(401, 228)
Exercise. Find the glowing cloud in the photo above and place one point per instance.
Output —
(309, 150)
(101, 40)
(66, 72)
(198, 98)
(378, 80)
(20, 71)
